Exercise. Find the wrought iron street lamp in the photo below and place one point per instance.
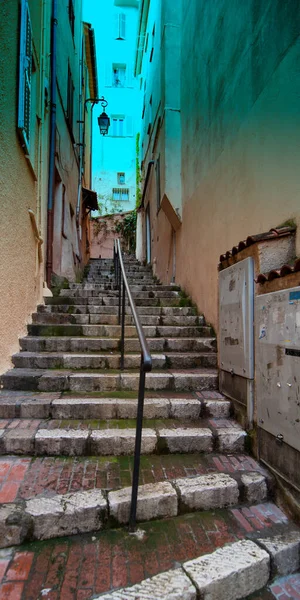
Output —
(103, 120)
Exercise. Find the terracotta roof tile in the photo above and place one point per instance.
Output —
(260, 237)
(276, 273)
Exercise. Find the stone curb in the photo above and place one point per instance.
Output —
(45, 517)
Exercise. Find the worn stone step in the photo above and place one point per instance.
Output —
(108, 319)
(139, 294)
(42, 405)
(113, 331)
(153, 287)
(231, 573)
(52, 360)
(90, 344)
(82, 381)
(112, 300)
(117, 438)
(171, 311)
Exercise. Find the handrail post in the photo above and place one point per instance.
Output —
(137, 450)
(123, 326)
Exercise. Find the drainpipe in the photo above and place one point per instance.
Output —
(50, 215)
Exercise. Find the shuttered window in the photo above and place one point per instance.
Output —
(25, 73)
(120, 194)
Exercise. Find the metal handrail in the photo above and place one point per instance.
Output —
(145, 366)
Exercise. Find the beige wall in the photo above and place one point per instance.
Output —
(240, 126)
(21, 189)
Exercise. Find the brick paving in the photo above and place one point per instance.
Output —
(77, 568)
(26, 478)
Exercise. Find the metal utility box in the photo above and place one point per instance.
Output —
(277, 346)
(236, 338)
(236, 318)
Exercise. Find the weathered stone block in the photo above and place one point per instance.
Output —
(231, 439)
(67, 514)
(284, 549)
(255, 487)
(232, 572)
(186, 440)
(173, 585)
(61, 441)
(121, 441)
(184, 409)
(207, 491)
(154, 501)
(14, 525)
(19, 441)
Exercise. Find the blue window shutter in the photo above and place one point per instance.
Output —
(25, 65)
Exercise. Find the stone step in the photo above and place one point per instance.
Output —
(137, 295)
(113, 331)
(89, 344)
(51, 406)
(233, 572)
(113, 310)
(52, 360)
(117, 438)
(111, 301)
(104, 319)
(59, 515)
(95, 287)
(85, 381)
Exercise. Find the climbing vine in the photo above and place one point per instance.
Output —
(127, 230)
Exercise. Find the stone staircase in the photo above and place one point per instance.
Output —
(67, 397)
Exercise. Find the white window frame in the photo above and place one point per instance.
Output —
(120, 194)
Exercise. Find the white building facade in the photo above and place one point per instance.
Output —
(114, 156)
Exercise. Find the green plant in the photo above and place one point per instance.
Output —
(127, 229)
(287, 223)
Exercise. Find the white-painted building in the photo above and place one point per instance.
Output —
(114, 156)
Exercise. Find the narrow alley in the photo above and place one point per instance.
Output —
(150, 328)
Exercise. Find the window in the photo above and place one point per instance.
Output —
(121, 178)
(121, 126)
(120, 194)
(71, 16)
(25, 76)
(70, 99)
(120, 26)
(118, 129)
(119, 75)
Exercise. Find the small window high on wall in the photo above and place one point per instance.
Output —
(119, 75)
(120, 26)
(120, 194)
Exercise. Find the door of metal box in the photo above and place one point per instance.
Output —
(236, 298)
(277, 347)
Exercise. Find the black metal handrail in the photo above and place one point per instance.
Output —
(145, 366)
